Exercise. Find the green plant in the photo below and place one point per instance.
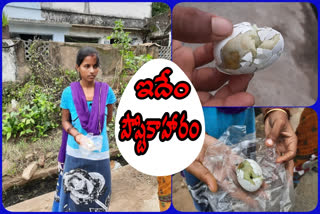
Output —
(12, 170)
(5, 20)
(111, 128)
(130, 62)
(38, 98)
(10, 124)
(34, 119)
(159, 7)
(9, 92)
(53, 78)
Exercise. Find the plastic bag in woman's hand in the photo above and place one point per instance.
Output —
(90, 143)
(222, 158)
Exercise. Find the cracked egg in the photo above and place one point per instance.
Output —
(248, 49)
(249, 175)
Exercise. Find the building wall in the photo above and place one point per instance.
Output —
(22, 10)
(9, 62)
(120, 10)
(83, 19)
(15, 65)
(57, 32)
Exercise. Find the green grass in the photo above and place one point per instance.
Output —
(16, 153)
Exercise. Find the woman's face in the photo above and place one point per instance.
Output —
(88, 69)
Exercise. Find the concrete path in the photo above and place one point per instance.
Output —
(131, 191)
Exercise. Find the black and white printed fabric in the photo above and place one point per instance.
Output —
(85, 186)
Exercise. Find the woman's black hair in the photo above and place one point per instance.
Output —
(87, 51)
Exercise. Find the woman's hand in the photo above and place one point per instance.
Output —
(195, 26)
(223, 170)
(199, 170)
(80, 139)
(279, 131)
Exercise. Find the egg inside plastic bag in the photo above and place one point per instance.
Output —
(93, 143)
(248, 49)
(249, 175)
(223, 158)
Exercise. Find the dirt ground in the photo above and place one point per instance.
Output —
(131, 191)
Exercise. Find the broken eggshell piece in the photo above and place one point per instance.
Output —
(248, 49)
(249, 175)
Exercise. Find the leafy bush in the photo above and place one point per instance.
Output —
(159, 8)
(38, 98)
(34, 119)
(9, 92)
(130, 63)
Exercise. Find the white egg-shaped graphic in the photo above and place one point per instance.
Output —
(160, 157)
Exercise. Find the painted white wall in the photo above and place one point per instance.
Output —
(21, 10)
(76, 7)
(122, 10)
(30, 28)
(9, 67)
(32, 11)
(102, 34)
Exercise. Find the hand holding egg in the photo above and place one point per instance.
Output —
(87, 143)
(248, 49)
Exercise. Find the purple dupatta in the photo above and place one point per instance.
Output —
(92, 121)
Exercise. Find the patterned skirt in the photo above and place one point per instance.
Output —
(83, 186)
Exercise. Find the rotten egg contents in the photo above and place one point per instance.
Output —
(249, 175)
(248, 49)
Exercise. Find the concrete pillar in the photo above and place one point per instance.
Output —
(9, 67)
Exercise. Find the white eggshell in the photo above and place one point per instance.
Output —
(248, 63)
(247, 185)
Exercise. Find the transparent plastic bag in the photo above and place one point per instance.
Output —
(93, 143)
(222, 158)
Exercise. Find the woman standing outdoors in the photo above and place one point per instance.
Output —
(84, 179)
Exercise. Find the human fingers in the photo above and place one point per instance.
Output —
(208, 79)
(290, 144)
(288, 155)
(183, 57)
(195, 26)
(78, 138)
(290, 167)
(273, 134)
(176, 44)
(203, 174)
(203, 54)
(238, 99)
(238, 83)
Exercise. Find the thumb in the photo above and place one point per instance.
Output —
(195, 26)
(203, 174)
(274, 133)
